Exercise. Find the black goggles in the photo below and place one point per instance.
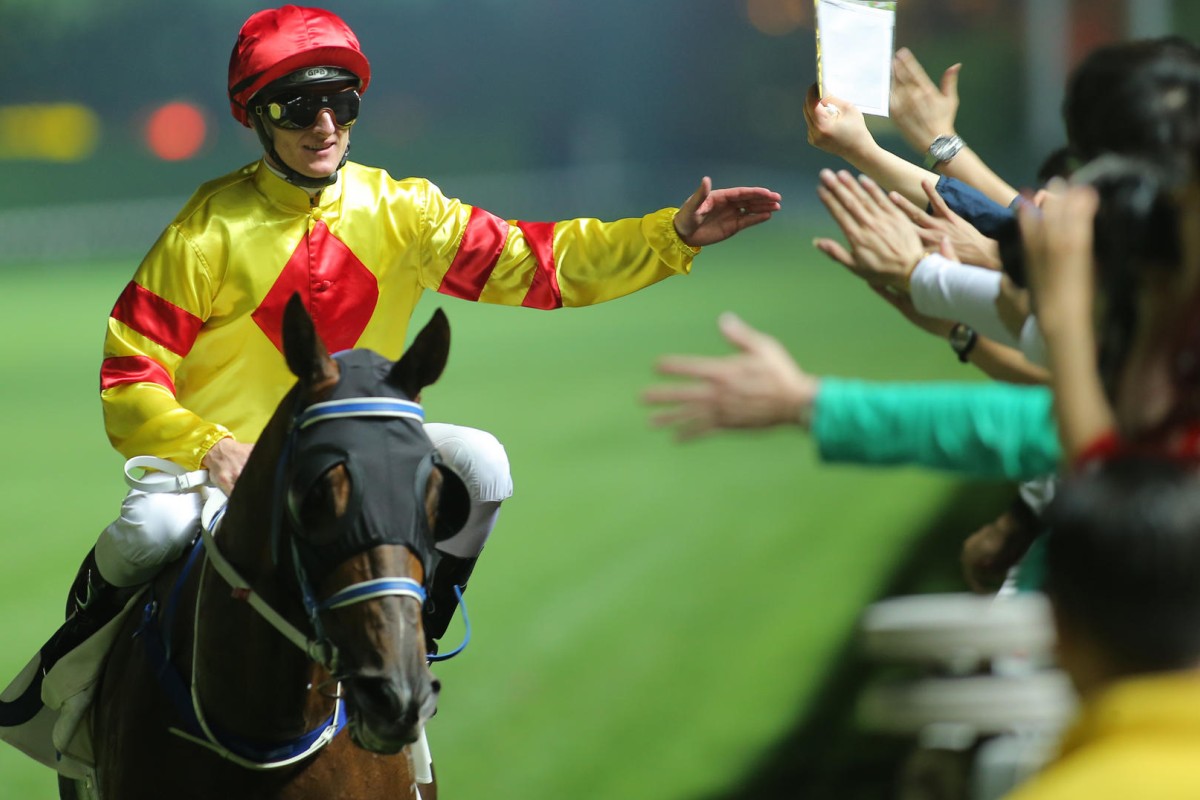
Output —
(296, 112)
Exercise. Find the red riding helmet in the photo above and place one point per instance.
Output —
(279, 41)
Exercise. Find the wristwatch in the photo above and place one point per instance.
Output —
(943, 149)
(962, 341)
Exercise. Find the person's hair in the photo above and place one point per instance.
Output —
(1136, 235)
(1139, 98)
(1059, 164)
(1123, 562)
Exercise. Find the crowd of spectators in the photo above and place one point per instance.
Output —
(1079, 299)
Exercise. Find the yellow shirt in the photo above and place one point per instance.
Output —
(1138, 740)
(192, 353)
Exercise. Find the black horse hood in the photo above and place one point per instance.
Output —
(389, 460)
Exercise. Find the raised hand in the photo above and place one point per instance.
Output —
(884, 246)
(1059, 240)
(921, 110)
(758, 387)
(713, 215)
(836, 126)
(971, 245)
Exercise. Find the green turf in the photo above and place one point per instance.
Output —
(649, 617)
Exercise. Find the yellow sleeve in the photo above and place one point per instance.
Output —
(476, 255)
(152, 327)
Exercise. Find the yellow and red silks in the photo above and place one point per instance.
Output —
(192, 353)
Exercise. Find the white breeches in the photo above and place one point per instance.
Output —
(155, 528)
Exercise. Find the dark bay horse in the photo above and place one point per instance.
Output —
(303, 612)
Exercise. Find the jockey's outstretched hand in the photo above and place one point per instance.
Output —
(225, 461)
(713, 215)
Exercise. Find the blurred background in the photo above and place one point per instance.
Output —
(652, 620)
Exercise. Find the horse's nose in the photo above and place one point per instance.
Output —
(394, 709)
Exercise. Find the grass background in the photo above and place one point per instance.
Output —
(652, 620)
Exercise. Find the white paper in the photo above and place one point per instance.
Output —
(854, 52)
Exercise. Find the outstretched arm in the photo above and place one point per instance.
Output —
(923, 111)
(838, 128)
(997, 361)
(713, 215)
(760, 386)
(988, 429)
(1058, 243)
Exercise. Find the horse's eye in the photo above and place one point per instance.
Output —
(318, 509)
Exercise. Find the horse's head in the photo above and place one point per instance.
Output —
(363, 497)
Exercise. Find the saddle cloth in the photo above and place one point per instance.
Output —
(57, 734)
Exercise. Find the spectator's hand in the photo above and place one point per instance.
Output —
(884, 245)
(225, 461)
(710, 216)
(972, 246)
(836, 126)
(920, 110)
(758, 387)
(1059, 258)
(990, 552)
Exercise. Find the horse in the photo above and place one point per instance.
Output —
(302, 613)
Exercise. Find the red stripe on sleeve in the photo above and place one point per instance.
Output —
(543, 292)
(478, 253)
(119, 370)
(156, 319)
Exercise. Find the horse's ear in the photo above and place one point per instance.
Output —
(424, 360)
(302, 347)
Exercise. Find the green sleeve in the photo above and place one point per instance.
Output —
(990, 430)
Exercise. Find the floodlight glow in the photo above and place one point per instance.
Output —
(176, 131)
(48, 132)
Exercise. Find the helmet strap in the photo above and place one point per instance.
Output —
(290, 175)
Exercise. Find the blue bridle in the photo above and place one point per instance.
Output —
(352, 407)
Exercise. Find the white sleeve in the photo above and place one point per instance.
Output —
(949, 290)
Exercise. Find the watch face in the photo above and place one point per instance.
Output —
(960, 337)
(944, 148)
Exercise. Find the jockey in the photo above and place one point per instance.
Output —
(192, 365)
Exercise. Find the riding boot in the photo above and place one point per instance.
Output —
(439, 608)
(91, 604)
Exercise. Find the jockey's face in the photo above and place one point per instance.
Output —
(315, 151)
